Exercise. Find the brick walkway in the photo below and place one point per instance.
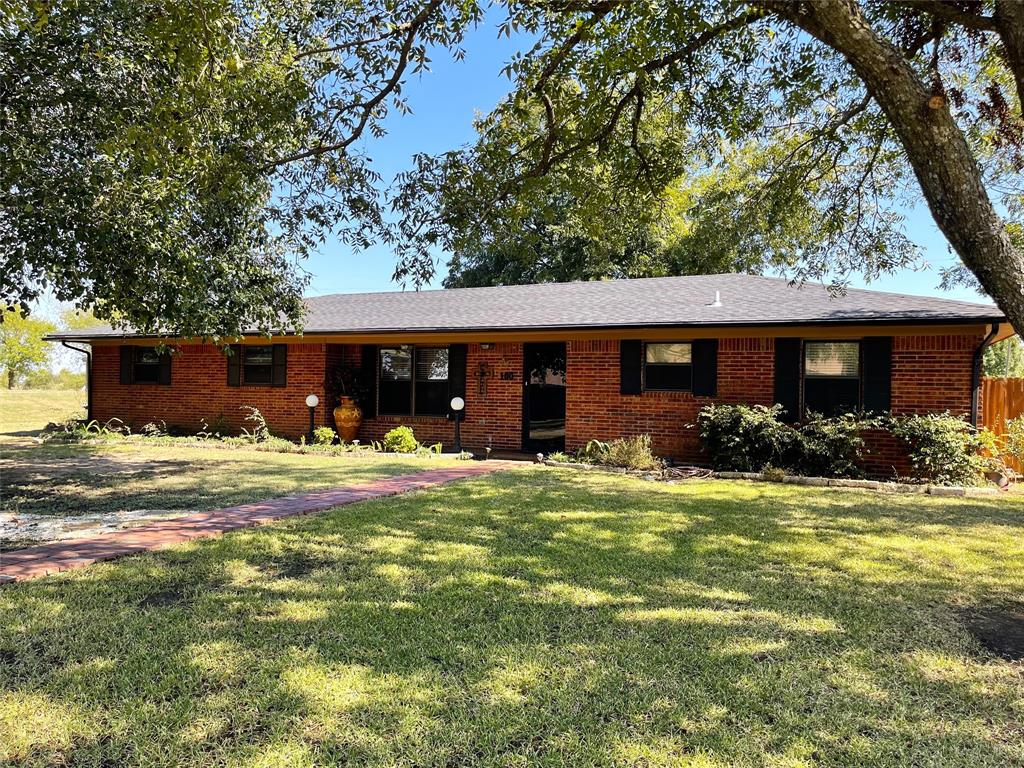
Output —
(33, 562)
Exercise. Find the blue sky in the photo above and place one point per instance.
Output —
(444, 102)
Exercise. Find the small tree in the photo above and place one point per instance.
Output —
(1005, 360)
(22, 348)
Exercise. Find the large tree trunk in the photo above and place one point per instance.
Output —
(938, 152)
(10, 378)
(1010, 22)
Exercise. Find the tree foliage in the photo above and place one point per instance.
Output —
(22, 349)
(806, 124)
(167, 163)
(1005, 360)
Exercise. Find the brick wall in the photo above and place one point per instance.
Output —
(595, 409)
(929, 373)
(199, 390)
(493, 414)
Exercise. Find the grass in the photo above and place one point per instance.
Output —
(27, 411)
(90, 478)
(79, 479)
(537, 617)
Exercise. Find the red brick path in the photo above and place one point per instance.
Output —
(32, 562)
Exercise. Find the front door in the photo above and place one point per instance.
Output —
(544, 397)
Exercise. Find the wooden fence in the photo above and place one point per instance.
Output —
(1002, 400)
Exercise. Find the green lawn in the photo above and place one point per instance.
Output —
(29, 410)
(80, 479)
(537, 617)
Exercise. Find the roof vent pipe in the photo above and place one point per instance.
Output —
(718, 300)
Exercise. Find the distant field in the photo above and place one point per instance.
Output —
(29, 410)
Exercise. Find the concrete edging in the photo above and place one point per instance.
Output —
(880, 486)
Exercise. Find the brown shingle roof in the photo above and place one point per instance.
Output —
(746, 300)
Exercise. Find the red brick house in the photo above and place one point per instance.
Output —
(542, 367)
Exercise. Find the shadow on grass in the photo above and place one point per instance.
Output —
(80, 479)
(533, 618)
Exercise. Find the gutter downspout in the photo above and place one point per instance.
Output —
(88, 377)
(979, 358)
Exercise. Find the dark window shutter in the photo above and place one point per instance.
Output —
(457, 371)
(369, 369)
(280, 365)
(127, 361)
(630, 367)
(705, 367)
(165, 369)
(787, 376)
(877, 373)
(235, 366)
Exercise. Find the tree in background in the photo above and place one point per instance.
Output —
(1005, 360)
(22, 349)
(168, 161)
(703, 223)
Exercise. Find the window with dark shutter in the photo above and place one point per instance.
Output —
(257, 365)
(431, 395)
(144, 365)
(395, 391)
(413, 381)
(705, 367)
(630, 367)
(831, 377)
(668, 367)
(877, 358)
(280, 374)
(787, 377)
(235, 366)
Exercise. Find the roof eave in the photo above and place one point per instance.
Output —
(838, 322)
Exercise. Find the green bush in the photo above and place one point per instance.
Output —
(324, 436)
(1013, 440)
(746, 438)
(831, 446)
(750, 438)
(625, 452)
(945, 449)
(631, 453)
(401, 440)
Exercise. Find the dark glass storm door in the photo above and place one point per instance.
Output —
(544, 397)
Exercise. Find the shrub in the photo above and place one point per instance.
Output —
(943, 448)
(746, 438)
(260, 432)
(400, 440)
(154, 429)
(323, 436)
(631, 453)
(626, 452)
(1013, 441)
(832, 447)
(593, 452)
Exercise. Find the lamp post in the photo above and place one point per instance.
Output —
(312, 401)
(458, 406)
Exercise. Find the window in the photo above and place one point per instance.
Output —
(668, 367)
(146, 366)
(261, 365)
(831, 376)
(413, 381)
(258, 365)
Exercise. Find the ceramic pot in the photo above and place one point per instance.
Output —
(348, 417)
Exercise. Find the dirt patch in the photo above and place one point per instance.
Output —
(999, 628)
